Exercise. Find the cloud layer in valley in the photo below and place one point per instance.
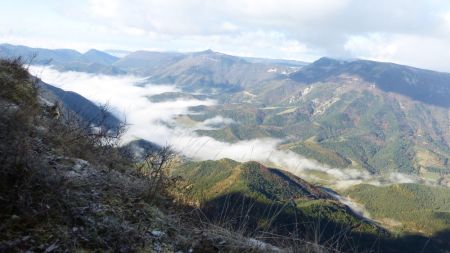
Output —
(156, 122)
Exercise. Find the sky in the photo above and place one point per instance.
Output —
(411, 32)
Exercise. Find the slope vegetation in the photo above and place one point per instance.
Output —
(407, 207)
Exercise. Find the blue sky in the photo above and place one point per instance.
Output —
(412, 32)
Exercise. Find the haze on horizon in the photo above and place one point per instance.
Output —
(415, 33)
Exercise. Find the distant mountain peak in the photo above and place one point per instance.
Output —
(210, 55)
(333, 61)
(93, 50)
(97, 56)
(208, 52)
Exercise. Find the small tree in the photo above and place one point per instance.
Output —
(156, 167)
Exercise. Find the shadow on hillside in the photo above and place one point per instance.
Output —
(255, 218)
(439, 242)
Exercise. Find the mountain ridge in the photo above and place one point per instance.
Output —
(424, 85)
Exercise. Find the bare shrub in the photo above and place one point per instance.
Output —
(156, 167)
(91, 139)
(16, 84)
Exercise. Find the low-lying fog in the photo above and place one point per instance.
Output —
(154, 121)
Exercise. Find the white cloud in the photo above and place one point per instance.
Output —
(295, 29)
(373, 46)
(376, 29)
(424, 51)
(228, 26)
(156, 122)
(401, 178)
(104, 8)
(214, 123)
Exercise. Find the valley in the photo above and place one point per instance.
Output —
(357, 129)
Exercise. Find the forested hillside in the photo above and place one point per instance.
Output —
(407, 207)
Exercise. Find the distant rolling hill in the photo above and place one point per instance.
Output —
(146, 62)
(93, 61)
(96, 56)
(206, 70)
